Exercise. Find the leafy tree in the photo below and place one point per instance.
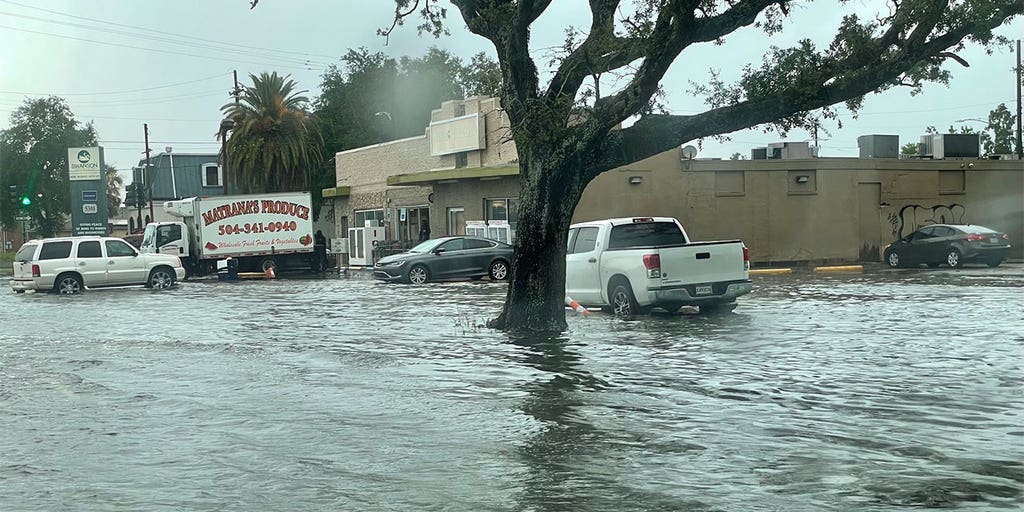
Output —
(561, 151)
(1001, 130)
(114, 184)
(274, 142)
(909, 149)
(34, 157)
(481, 76)
(737, 156)
(371, 98)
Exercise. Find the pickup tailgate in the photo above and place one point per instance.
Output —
(702, 263)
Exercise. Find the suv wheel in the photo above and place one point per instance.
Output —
(68, 284)
(160, 278)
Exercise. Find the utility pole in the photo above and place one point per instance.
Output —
(1020, 148)
(149, 176)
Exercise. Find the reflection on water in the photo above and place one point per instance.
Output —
(820, 392)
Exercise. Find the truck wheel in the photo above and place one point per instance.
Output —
(267, 263)
(623, 302)
(68, 284)
(994, 262)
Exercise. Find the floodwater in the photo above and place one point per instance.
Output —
(872, 391)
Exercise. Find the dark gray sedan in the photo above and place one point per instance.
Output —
(949, 244)
(453, 257)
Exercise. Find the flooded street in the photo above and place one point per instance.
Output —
(870, 391)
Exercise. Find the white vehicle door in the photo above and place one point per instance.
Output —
(90, 263)
(582, 266)
(124, 265)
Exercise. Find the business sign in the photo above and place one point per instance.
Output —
(84, 164)
(87, 191)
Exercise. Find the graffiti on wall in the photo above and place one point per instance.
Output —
(914, 216)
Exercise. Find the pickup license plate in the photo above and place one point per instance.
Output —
(704, 289)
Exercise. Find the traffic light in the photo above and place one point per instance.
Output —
(12, 194)
(140, 195)
(26, 200)
(130, 199)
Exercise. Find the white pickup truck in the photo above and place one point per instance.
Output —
(630, 265)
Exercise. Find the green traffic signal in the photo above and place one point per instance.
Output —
(26, 201)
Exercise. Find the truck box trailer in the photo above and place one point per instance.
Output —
(258, 230)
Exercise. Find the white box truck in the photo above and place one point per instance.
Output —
(258, 230)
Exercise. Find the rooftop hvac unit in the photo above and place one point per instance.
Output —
(879, 146)
(925, 148)
(956, 145)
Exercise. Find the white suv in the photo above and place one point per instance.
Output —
(70, 264)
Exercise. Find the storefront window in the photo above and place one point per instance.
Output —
(506, 209)
(365, 215)
(413, 223)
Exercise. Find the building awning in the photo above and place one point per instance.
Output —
(336, 192)
(452, 175)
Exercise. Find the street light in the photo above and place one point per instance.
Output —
(225, 125)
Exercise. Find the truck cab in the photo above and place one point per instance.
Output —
(168, 238)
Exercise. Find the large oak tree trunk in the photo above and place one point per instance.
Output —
(549, 192)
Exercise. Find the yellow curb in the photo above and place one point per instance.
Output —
(771, 271)
(840, 268)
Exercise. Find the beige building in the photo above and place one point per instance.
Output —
(802, 209)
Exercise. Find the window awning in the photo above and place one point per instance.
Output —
(450, 175)
(336, 192)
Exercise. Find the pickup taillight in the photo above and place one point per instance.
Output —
(35, 271)
(652, 262)
(746, 258)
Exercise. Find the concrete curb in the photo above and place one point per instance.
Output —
(840, 268)
(770, 271)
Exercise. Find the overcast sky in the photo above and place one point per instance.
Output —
(168, 63)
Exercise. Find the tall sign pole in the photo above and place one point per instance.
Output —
(149, 175)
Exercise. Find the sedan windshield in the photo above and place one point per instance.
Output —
(428, 246)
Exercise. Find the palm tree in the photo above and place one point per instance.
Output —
(114, 183)
(274, 142)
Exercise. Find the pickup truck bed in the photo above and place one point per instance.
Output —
(631, 265)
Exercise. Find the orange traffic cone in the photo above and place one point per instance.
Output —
(575, 306)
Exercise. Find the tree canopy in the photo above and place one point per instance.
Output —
(34, 157)
(274, 142)
(372, 98)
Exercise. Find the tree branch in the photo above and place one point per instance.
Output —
(846, 80)
(674, 31)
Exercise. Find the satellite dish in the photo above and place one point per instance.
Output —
(689, 152)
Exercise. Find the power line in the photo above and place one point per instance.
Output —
(150, 38)
(150, 30)
(116, 92)
(306, 68)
